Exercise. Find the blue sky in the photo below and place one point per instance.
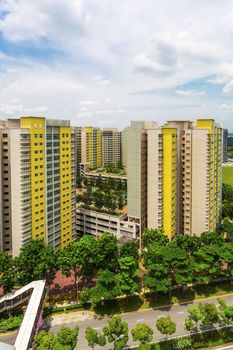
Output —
(106, 62)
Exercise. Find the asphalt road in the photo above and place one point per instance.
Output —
(178, 313)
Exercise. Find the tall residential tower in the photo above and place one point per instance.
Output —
(37, 182)
(174, 175)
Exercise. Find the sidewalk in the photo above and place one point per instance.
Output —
(61, 319)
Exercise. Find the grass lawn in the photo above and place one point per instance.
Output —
(227, 175)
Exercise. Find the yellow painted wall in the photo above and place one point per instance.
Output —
(38, 184)
(169, 181)
(215, 139)
(93, 146)
(65, 186)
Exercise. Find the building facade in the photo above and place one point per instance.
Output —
(97, 147)
(225, 144)
(174, 176)
(111, 147)
(136, 156)
(37, 181)
(96, 223)
(92, 146)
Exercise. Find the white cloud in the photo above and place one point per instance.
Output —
(39, 109)
(49, 20)
(108, 50)
(100, 80)
(10, 109)
(226, 106)
(190, 93)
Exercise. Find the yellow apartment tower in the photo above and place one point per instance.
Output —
(175, 175)
(37, 179)
(93, 146)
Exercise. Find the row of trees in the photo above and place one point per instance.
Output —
(227, 201)
(205, 315)
(178, 263)
(200, 317)
(185, 260)
(114, 264)
(109, 183)
(66, 339)
(108, 195)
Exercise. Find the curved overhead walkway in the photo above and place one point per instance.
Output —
(35, 292)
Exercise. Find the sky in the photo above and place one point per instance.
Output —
(107, 62)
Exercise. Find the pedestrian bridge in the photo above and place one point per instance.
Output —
(35, 293)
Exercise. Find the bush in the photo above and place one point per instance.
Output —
(182, 344)
(11, 323)
(85, 295)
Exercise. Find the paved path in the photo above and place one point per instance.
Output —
(177, 312)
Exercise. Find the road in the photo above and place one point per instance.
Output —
(178, 313)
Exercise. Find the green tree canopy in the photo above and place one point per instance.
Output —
(116, 332)
(7, 272)
(94, 338)
(142, 333)
(128, 276)
(42, 260)
(129, 249)
(107, 286)
(194, 318)
(166, 326)
(106, 252)
(157, 262)
(154, 236)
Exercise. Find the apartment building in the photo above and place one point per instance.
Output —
(96, 223)
(136, 155)
(174, 175)
(37, 181)
(111, 147)
(225, 143)
(97, 147)
(93, 146)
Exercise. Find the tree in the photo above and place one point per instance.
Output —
(181, 269)
(228, 312)
(105, 253)
(66, 337)
(107, 286)
(194, 318)
(227, 226)
(129, 249)
(42, 261)
(116, 332)
(7, 272)
(44, 340)
(208, 238)
(154, 236)
(84, 250)
(157, 261)
(68, 262)
(77, 258)
(166, 326)
(223, 319)
(188, 243)
(209, 314)
(142, 333)
(85, 295)
(121, 201)
(128, 276)
(94, 338)
(206, 262)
